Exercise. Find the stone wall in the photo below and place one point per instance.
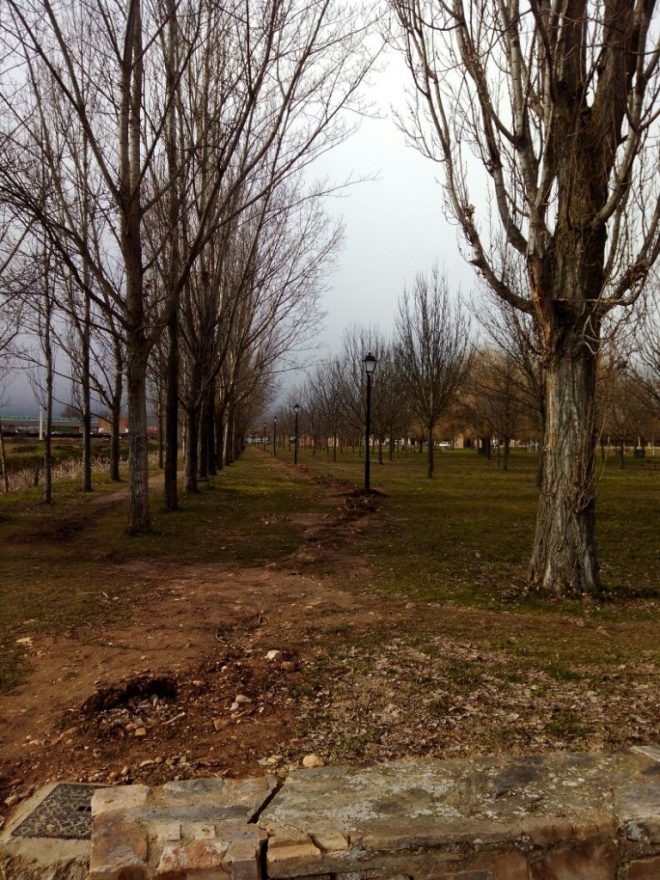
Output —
(554, 817)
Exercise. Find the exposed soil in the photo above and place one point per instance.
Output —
(220, 669)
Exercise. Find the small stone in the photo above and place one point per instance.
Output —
(310, 761)
(197, 683)
(293, 861)
(242, 699)
(273, 655)
(219, 724)
(148, 763)
(288, 666)
(141, 731)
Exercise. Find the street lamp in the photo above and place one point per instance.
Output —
(274, 435)
(369, 366)
(296, 410)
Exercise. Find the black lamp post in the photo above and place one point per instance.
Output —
(274, 435)
(369, 366)
(296, 410)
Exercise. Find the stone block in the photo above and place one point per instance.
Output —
(118, 850)
(119, 797)
(590, 861)
(510, 866)
(198, 860)
(548, 832)
(165, 831)
(293, 861)
(330, 841)
(200, 831)
(645, 869)
(243, 860)
(638, 809)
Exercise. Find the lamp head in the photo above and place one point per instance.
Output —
(369, 363)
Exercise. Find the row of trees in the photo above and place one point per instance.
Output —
(432, 381)
(160, 223)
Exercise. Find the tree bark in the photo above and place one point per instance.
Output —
(431, 462)
(192, 449)
(138, 453)
(3, 462)
(172, 414)
(564, 556)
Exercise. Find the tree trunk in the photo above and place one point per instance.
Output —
(507, 450)
(210, 431)
(115, 427)
(220, 438)
(622, 453)
(564, 555)
(86, 391)
(229, 436)
(192, 449)
(138, 453)
(3, 462)
(172, 414)
(48, 456)
(431, 462)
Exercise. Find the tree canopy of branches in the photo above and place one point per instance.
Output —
(557, 103)
(433, 349)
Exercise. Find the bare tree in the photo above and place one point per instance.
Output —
(433, 349)
(557, 102)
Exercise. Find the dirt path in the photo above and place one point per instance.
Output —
(207, 630)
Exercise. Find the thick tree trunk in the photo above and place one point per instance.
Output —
(507, 450)
(564, 557)
(138, 452)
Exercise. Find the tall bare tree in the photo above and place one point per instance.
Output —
(433, 348)
(558, 104)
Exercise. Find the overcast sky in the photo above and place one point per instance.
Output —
(394, 225)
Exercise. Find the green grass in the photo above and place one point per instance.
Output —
(465, 536)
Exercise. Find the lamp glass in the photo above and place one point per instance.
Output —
(369, 363)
